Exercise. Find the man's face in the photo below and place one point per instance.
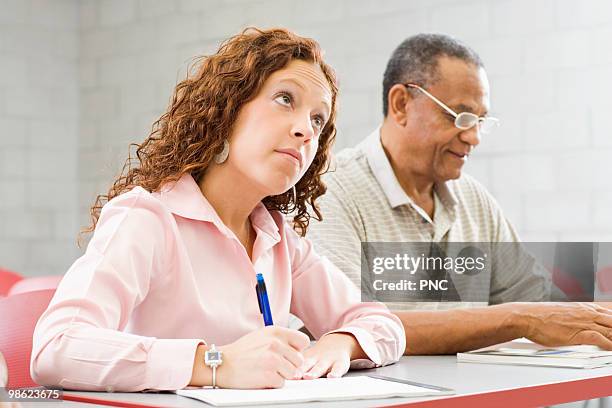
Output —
(436, 147)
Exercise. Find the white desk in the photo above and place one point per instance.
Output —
(475, 385)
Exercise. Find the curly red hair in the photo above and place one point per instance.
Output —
(203, 109)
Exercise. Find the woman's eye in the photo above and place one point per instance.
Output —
(318, 122)
(284, 99)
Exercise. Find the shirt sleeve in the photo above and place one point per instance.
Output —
(328, 302)
(79, 341)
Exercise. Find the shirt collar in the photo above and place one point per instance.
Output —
(184, 198)
(383, 172)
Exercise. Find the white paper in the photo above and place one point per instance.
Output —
(525, 352)
(321, 389)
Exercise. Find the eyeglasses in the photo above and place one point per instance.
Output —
(463, 120)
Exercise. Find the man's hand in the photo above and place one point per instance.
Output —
(562, 324)
(551, 324)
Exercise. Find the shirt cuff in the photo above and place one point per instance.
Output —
(367, 343)
(170, 363)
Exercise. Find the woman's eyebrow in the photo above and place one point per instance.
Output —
(303, 88)
(293, 81)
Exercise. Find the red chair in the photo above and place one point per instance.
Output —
(7, 280)
(604, 279)
(570, 286)
(18, 317)
(35, 283)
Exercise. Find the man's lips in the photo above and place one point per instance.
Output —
(293, 153)
(459, 155)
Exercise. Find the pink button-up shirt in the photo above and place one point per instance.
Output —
(162, 274)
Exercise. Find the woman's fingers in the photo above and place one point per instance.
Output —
(294, 338)
(320, 368)
(287, 361)
(286, 370)
(289, 353)
(309, 362)
(339, 368)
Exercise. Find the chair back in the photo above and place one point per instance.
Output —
(7, 280)
(18, 316)
(35, 283)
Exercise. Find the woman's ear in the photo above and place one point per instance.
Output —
(399, 103)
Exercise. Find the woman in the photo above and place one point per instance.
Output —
(171, 267)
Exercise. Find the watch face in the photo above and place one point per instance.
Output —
(212, 357)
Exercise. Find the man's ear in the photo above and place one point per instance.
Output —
(399, 103)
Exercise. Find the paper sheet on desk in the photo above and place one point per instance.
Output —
(321, 389)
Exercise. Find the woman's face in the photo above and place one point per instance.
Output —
(275, 137)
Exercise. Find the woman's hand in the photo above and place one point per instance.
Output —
(264, 358)
(331, 355)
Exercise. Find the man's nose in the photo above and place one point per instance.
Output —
(471, 136)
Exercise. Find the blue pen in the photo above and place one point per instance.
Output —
(262, 299)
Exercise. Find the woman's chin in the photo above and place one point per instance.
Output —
(270, 184)
(276, 192)
(281, 183)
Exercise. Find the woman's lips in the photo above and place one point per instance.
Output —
(292, 153)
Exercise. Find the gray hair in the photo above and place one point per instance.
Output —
(415, 60)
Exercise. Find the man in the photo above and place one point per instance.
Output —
(404, 183)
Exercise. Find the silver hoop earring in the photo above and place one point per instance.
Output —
(220, 158)
(294, 196)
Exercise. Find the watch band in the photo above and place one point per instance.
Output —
(213, 364)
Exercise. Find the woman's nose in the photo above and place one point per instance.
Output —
(303, 129)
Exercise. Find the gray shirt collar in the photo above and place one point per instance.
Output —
(383, 172)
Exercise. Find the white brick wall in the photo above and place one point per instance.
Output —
(79, 80)
(39, 117)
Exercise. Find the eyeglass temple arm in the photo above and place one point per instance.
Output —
(436, 100)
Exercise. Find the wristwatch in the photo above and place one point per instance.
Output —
(213, 359)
